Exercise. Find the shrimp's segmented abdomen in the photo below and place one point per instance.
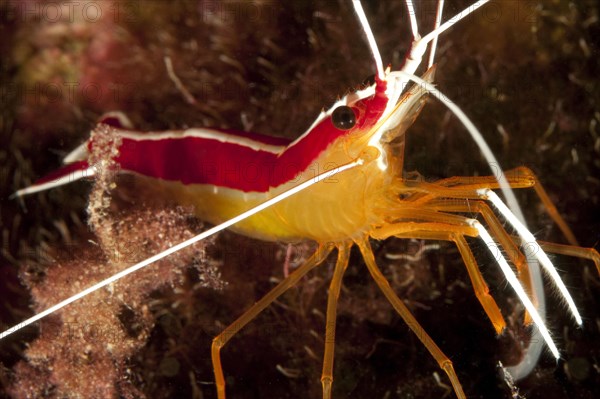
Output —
(333, 210)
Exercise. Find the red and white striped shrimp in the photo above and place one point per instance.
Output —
(370, 200)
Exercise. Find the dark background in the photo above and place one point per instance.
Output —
(529, 67)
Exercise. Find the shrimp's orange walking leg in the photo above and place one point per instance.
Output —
(549, 205)
(572, 250)
(521, 177)
(465, 187)
(480, 287)
(334, 293)
(506, 241)
(409, 319)
(448, 232)
(220, 340)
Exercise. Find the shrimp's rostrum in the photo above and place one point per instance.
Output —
(373, 201)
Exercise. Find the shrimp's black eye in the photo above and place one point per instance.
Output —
(343, 118)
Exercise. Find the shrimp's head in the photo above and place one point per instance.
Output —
(373, 117)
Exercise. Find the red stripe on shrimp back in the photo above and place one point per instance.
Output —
(194, 160)
(260, 138)
(243, 166)
(198, 160)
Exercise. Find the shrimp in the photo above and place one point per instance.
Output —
(389, 205)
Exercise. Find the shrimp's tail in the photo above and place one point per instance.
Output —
(77, 165)
(65, 175)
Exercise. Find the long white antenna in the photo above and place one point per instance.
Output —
(419, 46)
(516, 285)
(528, 239)
(413, 20)
(446, 25)
(181, 246)
(438, 21)
(370, 38)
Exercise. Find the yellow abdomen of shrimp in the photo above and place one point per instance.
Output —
(332, 210)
